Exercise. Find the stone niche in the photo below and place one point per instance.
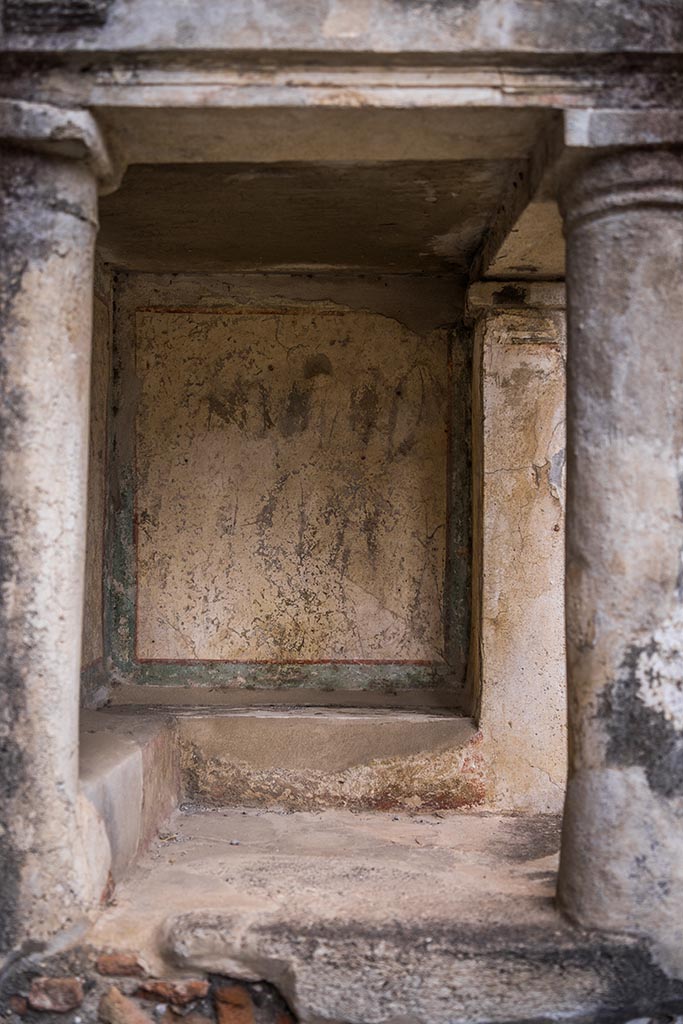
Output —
(289, 485)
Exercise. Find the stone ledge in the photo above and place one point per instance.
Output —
(304, 758)
(129, 774)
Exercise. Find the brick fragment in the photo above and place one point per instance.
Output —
(55, 995)
(18, 1005)
(233, 1005)
(122, 964)
(115, 1008)
(180, 993)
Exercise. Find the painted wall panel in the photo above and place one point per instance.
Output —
(290, 486)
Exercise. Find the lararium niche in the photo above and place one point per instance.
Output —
(284, 474)
(287, 519)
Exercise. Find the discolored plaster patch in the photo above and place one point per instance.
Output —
(642, 711)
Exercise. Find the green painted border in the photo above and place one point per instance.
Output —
(458, 570)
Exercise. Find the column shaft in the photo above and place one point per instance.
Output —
(48, 211)
(622, 850)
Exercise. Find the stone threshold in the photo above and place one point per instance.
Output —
(447, 918)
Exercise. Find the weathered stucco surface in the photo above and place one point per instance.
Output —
(422, 215)
(291, 487)
(519, 481)
(285, 466)
(92, 657)
(383, 26)
(353, 923)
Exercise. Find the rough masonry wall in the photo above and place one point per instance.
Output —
(93, 682)
(289, 478)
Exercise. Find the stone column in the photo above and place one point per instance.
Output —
(518, 474)
(622, 848)
(48, 200)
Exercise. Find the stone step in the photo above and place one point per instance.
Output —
(308, 758)
(312, 758)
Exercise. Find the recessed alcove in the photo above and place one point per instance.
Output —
(289, 583)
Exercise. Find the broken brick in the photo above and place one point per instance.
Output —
(122, 964)
(18, 1005)
(115, 1008)
(58, 995)
(233, 1005)
(180, 993)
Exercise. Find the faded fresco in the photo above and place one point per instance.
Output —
(291, 473)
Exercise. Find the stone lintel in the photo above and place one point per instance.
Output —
(63, 132)
(609, 129)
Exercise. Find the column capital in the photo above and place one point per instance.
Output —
(595, 129)
(60, 131)
(623, 180)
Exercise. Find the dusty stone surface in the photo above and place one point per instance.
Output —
(623, 841)
(137, 762)
(129, 776)
(519, 459)
(445, 917)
